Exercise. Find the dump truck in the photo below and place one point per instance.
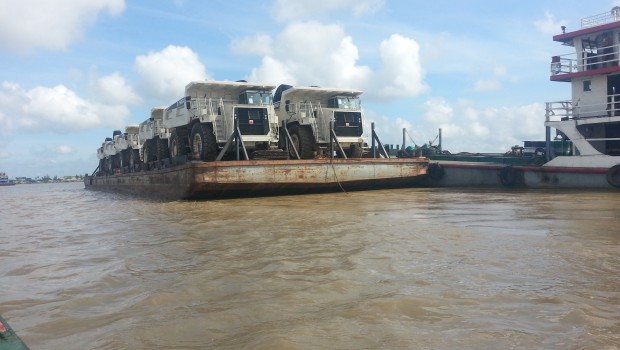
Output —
(203, 121)
(308, 113)
(128, 147)
(109, 158)
(154, 138)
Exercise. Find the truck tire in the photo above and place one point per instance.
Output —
(508, 176)
(613, 176)
(116, 162)
(355, 151)
(108, 166)
(163, 152)
(124, 157)
(303, 140)
(178, 144)
(102, 167)
(148, 151)
(134, 159)
(203, 142)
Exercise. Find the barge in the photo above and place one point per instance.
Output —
(223, 179)
(222, 139)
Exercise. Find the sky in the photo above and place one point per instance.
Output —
(72, 71)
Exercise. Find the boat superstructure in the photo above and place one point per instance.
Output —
(590, 120)
(4, 180)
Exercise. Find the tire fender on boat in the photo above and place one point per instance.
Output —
(436, 171)
(613, 176)
(507, 176)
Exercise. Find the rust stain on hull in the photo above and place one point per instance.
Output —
(204, 180)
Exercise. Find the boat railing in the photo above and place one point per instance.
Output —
(559, 110)
(567, 110)
(601, 18)
(606, 56)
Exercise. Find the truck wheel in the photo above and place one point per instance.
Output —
(124, 157)
(101, 167)
(147, 151)
(116, 161)
(355, 151)
(108, 165)
(163, 151)
(203, 143)
(303, 140)
(178, 144)
(134, 159)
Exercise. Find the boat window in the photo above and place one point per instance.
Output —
(587, 85)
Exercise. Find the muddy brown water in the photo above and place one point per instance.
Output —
(393, 269)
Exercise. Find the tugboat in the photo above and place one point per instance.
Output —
(585, 150)
(591, 119)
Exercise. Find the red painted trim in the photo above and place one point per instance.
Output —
(569, 76)
(571, 35)
(474, 166)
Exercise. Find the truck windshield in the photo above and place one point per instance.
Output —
(255, 98)
(344, 102)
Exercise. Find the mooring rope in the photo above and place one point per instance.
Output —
(331, 161)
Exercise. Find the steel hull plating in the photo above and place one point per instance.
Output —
(496, 175)
(204, 180)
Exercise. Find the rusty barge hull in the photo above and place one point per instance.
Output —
(207, 180)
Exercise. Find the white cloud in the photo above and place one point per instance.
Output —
(57, 109)
(272, 71)
(312, 53)
(259, 45)
(402, 73)
(27, 25)
(484, 130)
(486, 85)
(165, 74)
(438, 111)
(286, 10)
(114, 89)
(549, 26)
(500, 74)
(63, 149)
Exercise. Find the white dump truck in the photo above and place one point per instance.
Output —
(128, 146)
(102, 157)
(308, 112)
(153, 137)
(108, 155)
(203, 121)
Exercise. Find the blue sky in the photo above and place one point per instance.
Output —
(74, 70)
